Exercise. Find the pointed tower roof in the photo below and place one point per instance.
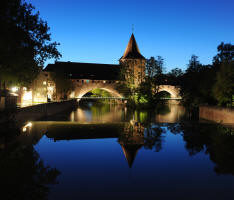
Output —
(132, 51)
(130, 152)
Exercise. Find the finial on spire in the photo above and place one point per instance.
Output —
(132, 28)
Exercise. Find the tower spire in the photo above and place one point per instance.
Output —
(132, 51)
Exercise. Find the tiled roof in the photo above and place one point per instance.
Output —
(76, 70)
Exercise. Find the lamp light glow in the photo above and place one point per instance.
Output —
(14, 89)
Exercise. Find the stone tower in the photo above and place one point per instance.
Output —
(133, 63)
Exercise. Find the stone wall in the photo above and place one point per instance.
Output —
(217, 114)
(2, 103)
(39, 111)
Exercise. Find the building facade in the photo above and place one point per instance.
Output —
(84, 77)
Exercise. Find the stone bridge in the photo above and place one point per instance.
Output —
(174, 91)
(82, 88)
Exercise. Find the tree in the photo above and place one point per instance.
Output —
(196, 87)
(147, 91)
(154, 66)
(194, 64)
(224, 87)
(25, 42)
(225, 53)
(174, 76)
(176, 72)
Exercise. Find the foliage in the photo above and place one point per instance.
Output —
(154, 137)
(197, 82)
(225, 53)
(24, 42)
(124, 89)
(100, 93)
(154, 66)
(224, 87)
(147, 90)
(174, 77)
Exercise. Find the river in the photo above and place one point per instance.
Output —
(110, 152)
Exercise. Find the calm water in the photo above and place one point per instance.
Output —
(109, 152)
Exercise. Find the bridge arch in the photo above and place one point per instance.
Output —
(85, 88)
(172, 90)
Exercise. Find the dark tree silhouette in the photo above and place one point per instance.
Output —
(223, 89)
(154, 138)
(215, 140)
(174, 77)
(225, 53)
(197, 82)
(23, 174)
(25, 42)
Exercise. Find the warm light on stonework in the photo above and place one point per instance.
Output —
(27, 95)
(14, 89)
(50, 89)
(72, 95)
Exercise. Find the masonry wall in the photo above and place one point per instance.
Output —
(217, 114)
(39, 111)
(2, 103)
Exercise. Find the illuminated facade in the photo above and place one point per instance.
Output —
(85, 77)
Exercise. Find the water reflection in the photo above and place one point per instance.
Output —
(215, 140)
(92, 112)
(147, 143)
(170, 114)
(98, 113)
(22, 171)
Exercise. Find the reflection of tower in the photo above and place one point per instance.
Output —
(130, 152)
(133, 63)
(131, 140)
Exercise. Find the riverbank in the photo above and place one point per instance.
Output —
(220, 115)
(36, 112)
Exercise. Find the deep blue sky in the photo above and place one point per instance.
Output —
(98, 30)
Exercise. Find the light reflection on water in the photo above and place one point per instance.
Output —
(115, 113)
(110, 152)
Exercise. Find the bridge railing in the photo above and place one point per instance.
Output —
(121, 98)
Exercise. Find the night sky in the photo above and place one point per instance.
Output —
(98, 30)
